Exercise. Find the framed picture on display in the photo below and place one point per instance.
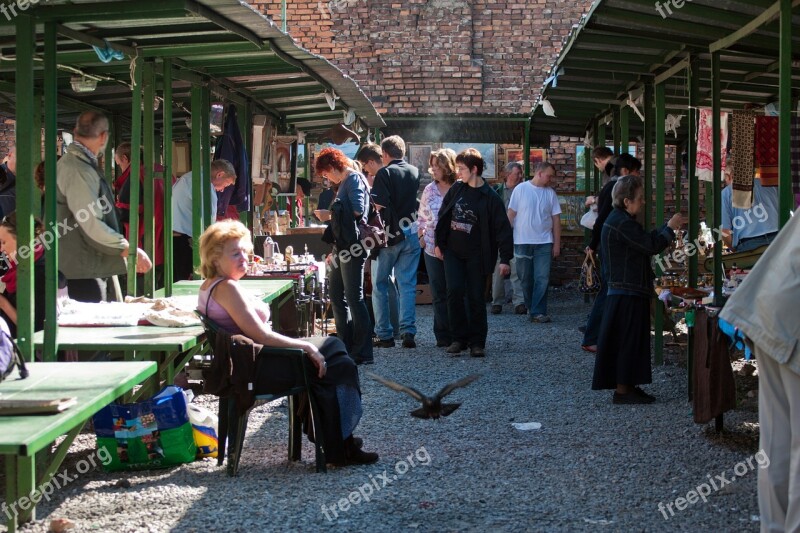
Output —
(487, 152)
(513, 155)
(419, 156)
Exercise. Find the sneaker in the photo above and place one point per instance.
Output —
(456, 347)
(630, 398)
(477, 351)
(497, 309)
(383, 343)
(541, 319)
(643, 394)
(520, 309)
(408, 341)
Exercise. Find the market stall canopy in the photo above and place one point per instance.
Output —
(224, 44)
(621, 44)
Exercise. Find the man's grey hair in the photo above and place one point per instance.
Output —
(91, 124)
(223, 165)
(514, 164)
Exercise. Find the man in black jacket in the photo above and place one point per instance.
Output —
(395, 193)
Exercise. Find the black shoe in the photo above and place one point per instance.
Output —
(358, 442)
(359, 361)
(408, 341)
(442, 344)
(582, 329)
(456, 347)
(383, 343)
(497, 309)
(643, 394)
(630, 398)
(477, 351)
(354, 455)
(520, 309)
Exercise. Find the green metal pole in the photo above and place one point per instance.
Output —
(601, 135)
(294, 215)
(660, 116)
(205, 131)
(133, 178)
(197, 171)
(648, 154)
(595, 172)
(283, 16)
(148, 202)
(679, 176)
(716, 185)
(167, 121)
(245, 127)
(624, 128)
(50, 131)
(28, 141)
(785, 196)
(617, 130)
(694, 100)
(526, 149)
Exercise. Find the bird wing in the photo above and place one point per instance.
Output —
(448, 408)
(450, 387)
(414, 393)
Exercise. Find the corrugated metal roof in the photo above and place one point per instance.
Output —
(621, 44)
(239, 52)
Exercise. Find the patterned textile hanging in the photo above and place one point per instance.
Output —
(743, 141)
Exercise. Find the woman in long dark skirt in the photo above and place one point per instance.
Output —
(623, 348)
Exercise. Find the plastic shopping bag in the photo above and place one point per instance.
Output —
(154, 433)
(204, 429)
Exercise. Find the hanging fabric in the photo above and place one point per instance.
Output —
(794, 152)
(230, 147)
(705, 143)
(743, 129)
(767, 143)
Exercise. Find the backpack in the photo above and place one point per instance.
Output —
(10, 356)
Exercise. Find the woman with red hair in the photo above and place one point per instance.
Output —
(348, 257)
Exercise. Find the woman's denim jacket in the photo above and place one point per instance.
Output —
(628, 248)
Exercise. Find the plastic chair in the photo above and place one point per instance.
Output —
(233, 425)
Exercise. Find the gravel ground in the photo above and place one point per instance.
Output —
(591, 466)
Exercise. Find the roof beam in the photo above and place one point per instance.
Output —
(770, 13)
(93, 41)
(222, 22)
(108, 11)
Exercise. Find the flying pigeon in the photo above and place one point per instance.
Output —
(432, 407)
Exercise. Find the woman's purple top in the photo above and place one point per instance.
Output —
(216, 312)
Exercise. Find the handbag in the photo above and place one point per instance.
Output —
(590, 279)
(372, 234)
(10, 356)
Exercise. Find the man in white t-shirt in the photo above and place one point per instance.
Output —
(535, 215)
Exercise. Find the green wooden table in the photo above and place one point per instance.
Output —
(171, 348)
(95, 385)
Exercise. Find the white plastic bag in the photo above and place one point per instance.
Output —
(589, 218)
(204, 428)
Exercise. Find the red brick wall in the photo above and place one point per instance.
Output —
(7, 134)
(436, 56)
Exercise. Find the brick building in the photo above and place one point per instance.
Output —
(453, 66)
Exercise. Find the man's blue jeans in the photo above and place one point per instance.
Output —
(404, 259)
(346, 291)
(596, 315)
(533, 269)
(393, 299)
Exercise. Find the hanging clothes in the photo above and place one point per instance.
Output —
(743, 130)
(231, 147)
(704, 168)
(767, 144)
(795, 155)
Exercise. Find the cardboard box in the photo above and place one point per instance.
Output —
(424, 296)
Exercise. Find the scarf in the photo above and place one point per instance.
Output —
(742, 139)
(767, 144)
(10, 277)
(705, 143)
